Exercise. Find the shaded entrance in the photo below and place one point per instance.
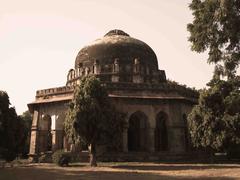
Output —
(47, 123)
(137, 132)
(161, 133)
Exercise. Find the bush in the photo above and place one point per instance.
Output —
(45, 158)
(61, 158)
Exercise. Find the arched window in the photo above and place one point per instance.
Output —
(137, 132)
(161, 132)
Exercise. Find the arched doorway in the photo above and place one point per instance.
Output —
(137, 132)
(161, 132)
(59, 132)
(47, 123)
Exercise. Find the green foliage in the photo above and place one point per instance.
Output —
(182, 87)
(215, 121)
(70, 132)
(91, 118)
(27, 119)
(45, 158)
(11, 129)
(216, 27)
(61, 158)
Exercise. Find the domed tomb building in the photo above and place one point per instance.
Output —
(156, 108)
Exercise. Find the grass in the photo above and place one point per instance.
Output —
(121, 171)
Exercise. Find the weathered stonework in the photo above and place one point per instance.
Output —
(156, 109)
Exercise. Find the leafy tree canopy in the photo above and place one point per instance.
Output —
(216, 27)
(26, 118)
(215, 121)
(11, 129)
(92, 119)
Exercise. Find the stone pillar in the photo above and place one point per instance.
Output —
(125, 140)
(151, 139)
(116, 66)
(54, 140)
(33, 151)
(97, 68)
(136, 66)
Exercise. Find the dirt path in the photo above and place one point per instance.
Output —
(122, 171)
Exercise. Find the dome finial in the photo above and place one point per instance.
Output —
(116, 32)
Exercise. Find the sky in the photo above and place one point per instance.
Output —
(40, 39)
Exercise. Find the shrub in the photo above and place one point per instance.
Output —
(45, 158)
(61, 158)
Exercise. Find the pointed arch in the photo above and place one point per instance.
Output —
(161, 132)
(137, 131)
(47, 123)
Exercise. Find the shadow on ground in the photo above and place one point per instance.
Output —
(38, 173)
(173, 167)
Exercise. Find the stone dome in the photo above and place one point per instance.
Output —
(116, 44)
(117, 58)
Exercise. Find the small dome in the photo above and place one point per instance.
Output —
(116, 32)
(116, 44)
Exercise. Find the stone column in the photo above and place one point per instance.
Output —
(33, 151)
(54, 140)
(125, 140)
(151, 139)
(97, 68)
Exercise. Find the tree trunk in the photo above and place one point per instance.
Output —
(93, 160)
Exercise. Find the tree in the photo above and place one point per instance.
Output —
(215, 122)
(11, 129)
(92, 119)
(216, 27)
(26, 117)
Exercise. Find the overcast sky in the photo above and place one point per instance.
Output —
(39, 40)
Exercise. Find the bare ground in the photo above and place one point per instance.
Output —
(122, 171)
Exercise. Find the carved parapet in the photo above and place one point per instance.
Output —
(160, 87)
(54, 91)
